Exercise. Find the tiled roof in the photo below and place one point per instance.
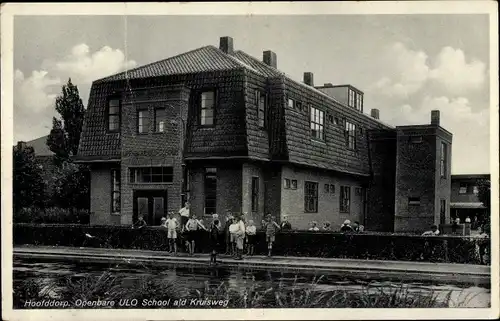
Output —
(40, 146)
(208, 58)
(471, 205)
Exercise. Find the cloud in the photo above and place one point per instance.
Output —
(34, 95)
(85, 67)
(406, 72)
(457, 75)
(470, 128)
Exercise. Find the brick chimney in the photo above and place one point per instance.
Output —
(226, 45)
(435, 117)
(375, 113)
(328, 84)
(270, 59)
(309, 79)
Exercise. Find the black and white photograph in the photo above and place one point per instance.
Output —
(250, 160)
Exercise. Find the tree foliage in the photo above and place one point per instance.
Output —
(72, 187)
(28, 184)
(484, 194)
(65, 134)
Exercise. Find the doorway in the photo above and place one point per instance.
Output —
(152, 205)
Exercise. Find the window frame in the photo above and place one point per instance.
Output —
(115, 181)
(460, 188)
(308, 196)
(332, 188)
(133, 173)
(287, 183)
(261, 98)
(201, 108)
(139, 118)
(317, 120)
(443, 161)
(345, 207)
(414, 201)
(108, 114)
(212, 194)
(155, 119)
(292, 184)
(255, 194)
(350, 139)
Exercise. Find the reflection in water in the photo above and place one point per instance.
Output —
(238, 279)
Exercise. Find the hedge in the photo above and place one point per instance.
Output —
(449, 249)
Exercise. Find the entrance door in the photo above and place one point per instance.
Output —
(152, 205)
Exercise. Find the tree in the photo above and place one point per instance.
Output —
(72, 187)
(484, 194)
(65, 135)
(28, 184)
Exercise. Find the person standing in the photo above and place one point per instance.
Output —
(327, 226)
(314, 226)
(172, 225)
(214, 240)
(237, 229)
(140, 223)
(346, 227)
(285, 224)
(251, 231)
(185, 214)
(271, 227)
(227, 234)
(192, 228)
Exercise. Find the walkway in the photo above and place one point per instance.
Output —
(401, 270)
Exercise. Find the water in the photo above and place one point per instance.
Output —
(46, 272)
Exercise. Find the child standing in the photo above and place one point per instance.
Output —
(251, 231)
(237, 229)
(192, 228)
(271, 227)
(214, 240)
(172, 225)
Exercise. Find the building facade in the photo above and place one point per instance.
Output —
(464, 198)
(230, 132)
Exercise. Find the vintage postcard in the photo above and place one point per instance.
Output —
(302, 160)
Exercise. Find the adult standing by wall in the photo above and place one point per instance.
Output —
(229, 221)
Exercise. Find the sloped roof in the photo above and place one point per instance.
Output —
(40, 146)
(470, 205)
(208, 58)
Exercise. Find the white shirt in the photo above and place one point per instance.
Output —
(184, 212)
(314, 229)
(251, 230)
(171, 223)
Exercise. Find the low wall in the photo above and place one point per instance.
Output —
(451, 249)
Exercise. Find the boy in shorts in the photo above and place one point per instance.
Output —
(270, 227)
(172, 226)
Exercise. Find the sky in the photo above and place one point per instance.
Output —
(407, 65)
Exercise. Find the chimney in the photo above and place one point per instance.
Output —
(226, 45)
(270, 59)
(435, 117)
(21, 145)
(375, 113)
(309, 79)
(328, 84)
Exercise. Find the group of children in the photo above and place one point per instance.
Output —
(347, 226)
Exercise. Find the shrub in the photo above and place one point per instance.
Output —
(295, 243)
(51, 215)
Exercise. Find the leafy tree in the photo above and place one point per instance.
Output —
(28, 184)
(484, 194)
(72, 187)
(65, 135)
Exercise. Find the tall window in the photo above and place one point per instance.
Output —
(317, 123)
(210, 186)
(255, 194)
(463, 188)
(145, 175)
(351, 98)
(444, 159)
(207, 108)
(160, 115)
(114, 115)
(115, 192)
(350, 135)
(310, 197)
(142, 121)
(359, 102)
(345, 199)
(261, 104)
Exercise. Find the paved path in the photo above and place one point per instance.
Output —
(421, 271)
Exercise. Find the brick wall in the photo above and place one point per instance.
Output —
(292, 201)
(467, 197)
(443, 184)
(250, 170)
(380, 200)
(415, 177)
(100, 201)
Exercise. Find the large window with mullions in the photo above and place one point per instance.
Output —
(317, 121)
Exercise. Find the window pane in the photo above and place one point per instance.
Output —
(158, 208)
(114, 110)
(114, 122)
(207, 99)
(142, 206)
(114, 103)
(160, 115)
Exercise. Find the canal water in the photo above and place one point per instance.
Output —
(50, 272)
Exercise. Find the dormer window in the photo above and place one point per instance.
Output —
(207, 108)
(113, 115)
(355, 100)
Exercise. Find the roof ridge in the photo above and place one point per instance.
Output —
(154, 62)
